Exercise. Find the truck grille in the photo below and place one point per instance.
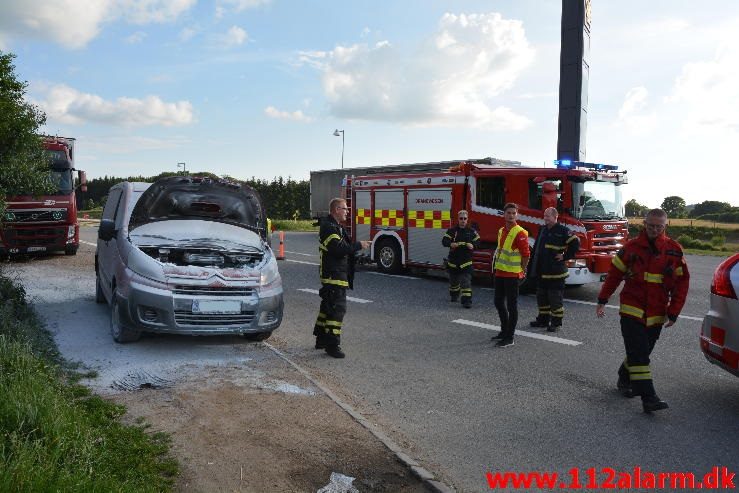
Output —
(213, 290)
(607, 241)
(35, 215)
(184, 317)
(19, 238)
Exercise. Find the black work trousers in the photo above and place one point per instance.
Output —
(549, 296)
(460, 282)
(331, 315)
(506, 302)
(639, 342)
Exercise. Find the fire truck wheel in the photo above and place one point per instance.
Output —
(387, 253)
(99, 296)
(119, 332)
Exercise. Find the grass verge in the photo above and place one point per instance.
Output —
(290, 225)
(55, 435)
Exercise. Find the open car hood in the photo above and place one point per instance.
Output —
(186, 197)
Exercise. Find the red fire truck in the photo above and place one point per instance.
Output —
(46, 223)
(405, 214)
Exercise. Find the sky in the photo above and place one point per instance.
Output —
(256, 88)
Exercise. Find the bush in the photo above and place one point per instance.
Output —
(718, 241)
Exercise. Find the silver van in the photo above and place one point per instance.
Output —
(187, 255)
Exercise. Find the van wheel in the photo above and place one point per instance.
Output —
(258, 336)
(99, 296)
(119, 332)
(387, 255)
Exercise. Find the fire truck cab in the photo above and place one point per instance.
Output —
(405, 215)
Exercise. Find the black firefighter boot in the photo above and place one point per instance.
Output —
(652, 403)
(542, 321)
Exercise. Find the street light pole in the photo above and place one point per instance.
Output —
(184, 168)
(336, 133)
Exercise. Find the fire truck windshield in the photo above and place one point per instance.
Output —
(61, 180)
(597, 200)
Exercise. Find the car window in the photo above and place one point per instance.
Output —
(111, 205)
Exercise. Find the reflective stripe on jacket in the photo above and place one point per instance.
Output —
(506, 258)
(460, 257)
(656, 280)
(336, 252)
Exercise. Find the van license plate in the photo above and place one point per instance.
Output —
(216, 306)
(36, 249)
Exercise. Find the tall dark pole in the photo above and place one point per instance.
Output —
(574, 71)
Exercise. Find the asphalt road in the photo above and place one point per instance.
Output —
(465, 408)
(424, 370)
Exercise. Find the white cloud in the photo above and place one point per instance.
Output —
(450, 80)
(633, 115)
(187, 33)
(136, 37)
(296, 116)
(67, 105)
(73, 24)
(223, 6)
(234, 36)
(708, 91)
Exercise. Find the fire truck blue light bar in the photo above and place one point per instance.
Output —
(566, 163)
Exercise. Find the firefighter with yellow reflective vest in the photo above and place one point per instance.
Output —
(509, 264)
(461, 241)
(336, 252)
(656, 285)
(554, 246)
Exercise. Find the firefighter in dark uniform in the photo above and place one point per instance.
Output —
(656, 281)
(461, 241)
(554, 246)
(336, 252)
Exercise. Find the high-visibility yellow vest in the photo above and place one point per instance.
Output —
(506, 258)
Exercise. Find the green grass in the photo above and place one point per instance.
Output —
(55, 435)
(290, 225)
(96, 213)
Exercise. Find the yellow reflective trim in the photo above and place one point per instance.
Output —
(631, 310)
(554, 247)
(447, 236)
(639, 368)
(451, 264)
(466, 264)
(477, 237)
(321, 315)
(571, 238)
(618, 263)
(679, 271)
(437, 224)
(446, 215)
(331, 237)
(660, 319)
(336, 282)
(333, 323)
(655, 278)
(641, 376)
(321, 247)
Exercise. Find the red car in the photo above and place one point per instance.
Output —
(719, 336)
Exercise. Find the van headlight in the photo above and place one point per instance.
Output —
(270, 273)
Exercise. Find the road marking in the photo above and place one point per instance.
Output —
(355, 300)
(391, 275)
(88, 243)
(523, 333)
(306, 254)
(592, 303)
(300, 262)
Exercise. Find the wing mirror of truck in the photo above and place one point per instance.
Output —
(83, 181)
(106, 231)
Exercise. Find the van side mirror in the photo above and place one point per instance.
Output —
(106, 231)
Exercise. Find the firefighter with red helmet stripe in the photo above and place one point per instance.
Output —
(656, 280)
(461, 241)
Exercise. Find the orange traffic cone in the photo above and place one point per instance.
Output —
(281, 248)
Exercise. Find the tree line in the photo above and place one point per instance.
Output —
(676, 208)
(284, 198)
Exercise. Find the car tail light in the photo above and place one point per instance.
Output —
(721, 284)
